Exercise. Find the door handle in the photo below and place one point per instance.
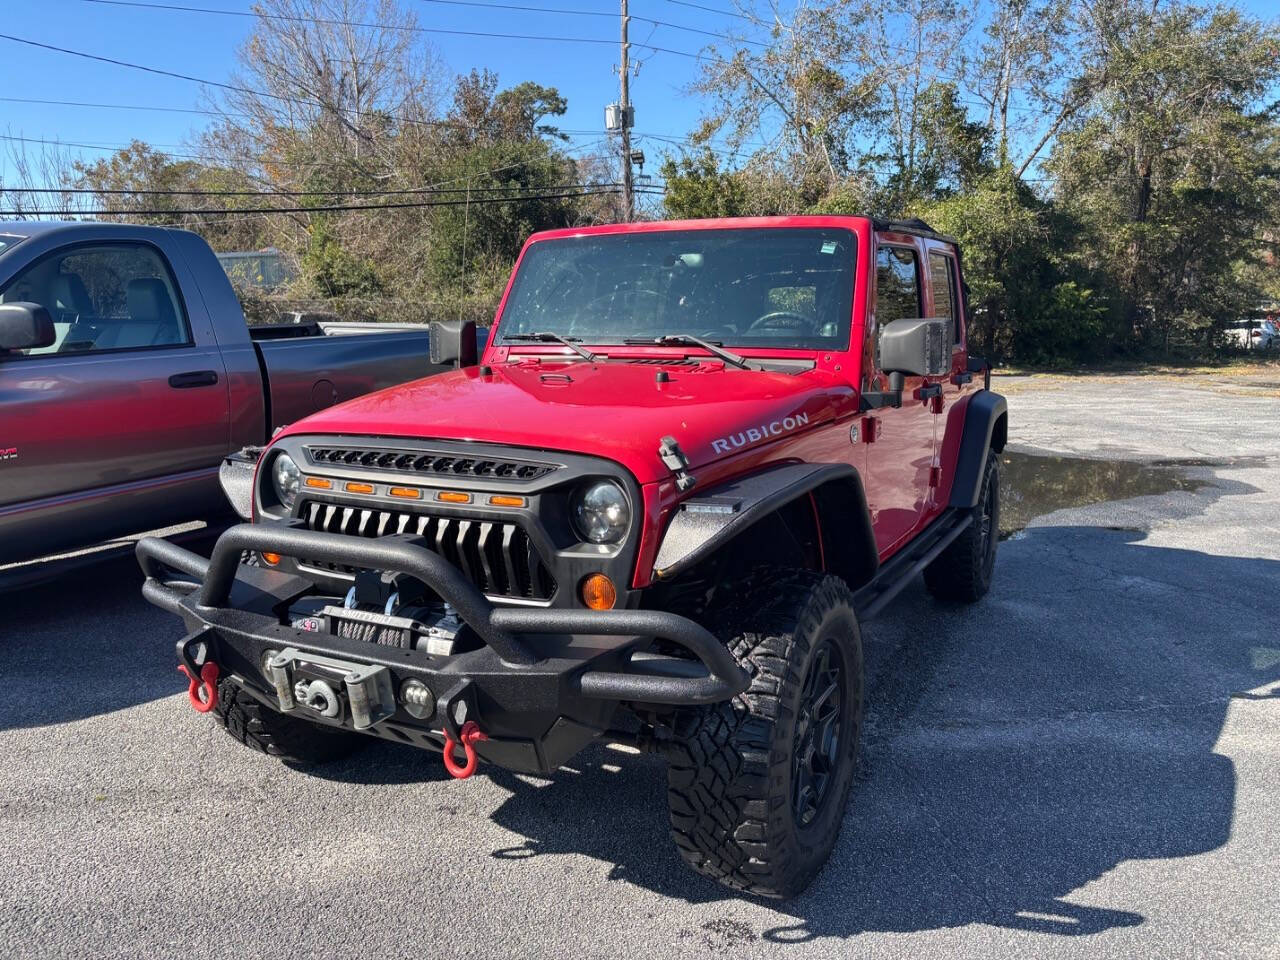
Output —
(194, 378)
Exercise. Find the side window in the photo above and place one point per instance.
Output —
(897, 285)
(942, 281)
(118, 296)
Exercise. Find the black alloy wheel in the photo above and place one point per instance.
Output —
(815, 751)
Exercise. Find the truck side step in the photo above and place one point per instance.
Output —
(888, 582)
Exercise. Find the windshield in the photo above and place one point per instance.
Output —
(770, 287)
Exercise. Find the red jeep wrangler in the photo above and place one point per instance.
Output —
(692, 458)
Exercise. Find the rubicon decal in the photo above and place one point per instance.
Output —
(8, 453)
(744, 438)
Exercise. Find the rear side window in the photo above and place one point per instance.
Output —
(897, 285)
(942, 284)
(118, 296)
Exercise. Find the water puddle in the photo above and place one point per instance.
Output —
(1033, 485)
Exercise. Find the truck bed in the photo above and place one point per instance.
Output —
(334, 362)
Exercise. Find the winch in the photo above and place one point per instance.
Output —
(388, 609)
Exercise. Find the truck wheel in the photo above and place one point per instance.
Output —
(292, 740)
(757, 785)
(963, 571)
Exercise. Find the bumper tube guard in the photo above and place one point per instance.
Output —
(507, 631)
(469, 736)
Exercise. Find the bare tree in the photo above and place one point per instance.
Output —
(325, 86)
(801, 94)
(911, 47)
(42, 166)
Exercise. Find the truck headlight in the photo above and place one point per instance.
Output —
(287, 479)
(601, 512)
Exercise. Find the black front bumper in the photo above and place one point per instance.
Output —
(543, 683)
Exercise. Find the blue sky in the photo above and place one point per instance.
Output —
(203, 45)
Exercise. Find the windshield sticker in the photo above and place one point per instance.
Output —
(829, 246)
(745, 438)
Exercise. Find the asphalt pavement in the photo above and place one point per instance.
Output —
(1086, 763)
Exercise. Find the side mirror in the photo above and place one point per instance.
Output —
(24, 326)
(917, 348)
(454, 341)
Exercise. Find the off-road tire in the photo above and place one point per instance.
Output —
(962, 572)
(730, 774)
(295, 741)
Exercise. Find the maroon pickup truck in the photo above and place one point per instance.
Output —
(127, 373)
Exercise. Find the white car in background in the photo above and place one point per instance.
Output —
(1255, 334)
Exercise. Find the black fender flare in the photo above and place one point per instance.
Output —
(986, 429)
(704, 523)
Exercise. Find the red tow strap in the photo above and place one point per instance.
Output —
(206, 685)
(469, 735)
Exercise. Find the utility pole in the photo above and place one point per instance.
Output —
(628, 193)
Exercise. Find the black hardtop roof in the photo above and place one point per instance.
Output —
(912, 225)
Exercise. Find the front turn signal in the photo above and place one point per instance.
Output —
(598, 592)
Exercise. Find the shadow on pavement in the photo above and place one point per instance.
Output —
(83, 644)
(1016, 750)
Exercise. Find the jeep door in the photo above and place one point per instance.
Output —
(900, 458)
(120, 424)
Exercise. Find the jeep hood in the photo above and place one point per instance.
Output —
(615, 409)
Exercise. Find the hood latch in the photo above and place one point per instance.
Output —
(671, 454)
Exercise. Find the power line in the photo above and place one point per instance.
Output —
(182, 8)
(599, 134)
(406, 191)
(326, 208)
(215, 83)
(591, 13)
(723, 13)
(211, 83)
(221, 164)
(120, 106)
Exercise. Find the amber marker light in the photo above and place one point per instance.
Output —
(406, 493)
(271, 559)
(318, 483)
(598, 592)
(449, 496)
(359, 488)
(500, 501)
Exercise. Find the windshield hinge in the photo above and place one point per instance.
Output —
(671, 454)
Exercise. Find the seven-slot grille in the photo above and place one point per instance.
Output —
(434, 464)
(499, 558)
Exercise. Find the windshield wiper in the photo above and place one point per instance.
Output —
(683, 339)
(546, 336)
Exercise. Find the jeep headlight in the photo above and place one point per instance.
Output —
(601, 512)
(286, 478)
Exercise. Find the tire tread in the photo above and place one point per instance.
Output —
(724, 760)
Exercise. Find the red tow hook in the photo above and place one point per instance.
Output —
(470, 734)
(203, 693)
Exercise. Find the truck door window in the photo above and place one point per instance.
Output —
(118, 296)
(942, 283)
(897, 285)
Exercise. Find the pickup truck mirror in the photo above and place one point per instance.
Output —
(24, 326)
(917, 348)
(454, 341)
